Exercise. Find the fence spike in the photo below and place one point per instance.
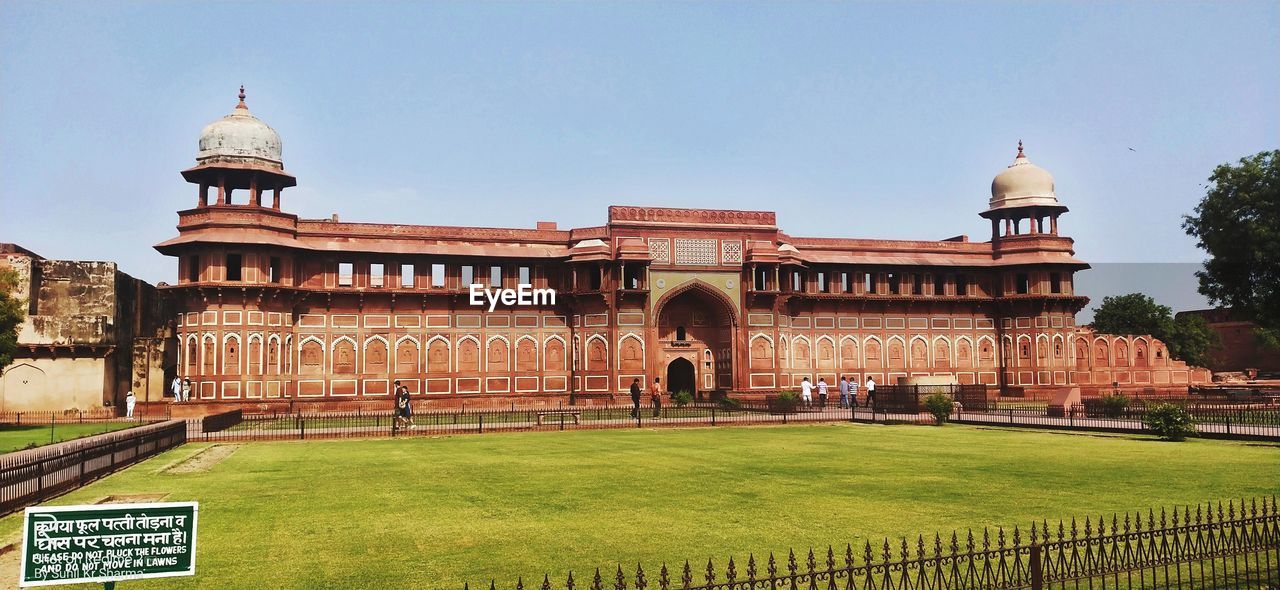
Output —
(848, 555)
(597, 583)
(731, 571)
(711, 573)
(773, 566)
(1164, 523)
(831, 559)
(491, 585)
(809, 562)
(919, 546)
(969, 546)
(751, 567)
(886, 552)
(664, 580)
(955, 544)
(1088, 527)
(619, 582)
(641, 584)
(568, 584)
(1033, 533)
(791, 562)
(1231, 509)
(1017, 537)
(687, 577)
(902, 550)
(546, 582)
(1061, 531)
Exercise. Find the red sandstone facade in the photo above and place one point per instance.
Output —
(274, 307)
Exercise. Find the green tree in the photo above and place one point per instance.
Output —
(1188, 338)
(11, 315)
(1238, 225)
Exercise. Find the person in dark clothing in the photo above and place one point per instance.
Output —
(656, 396)
(635, 398)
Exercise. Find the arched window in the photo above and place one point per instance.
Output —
(375, 356)
(231, 355)
(344, 357)
(553, 355)
(407, 356)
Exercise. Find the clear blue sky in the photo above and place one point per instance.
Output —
(848, 119)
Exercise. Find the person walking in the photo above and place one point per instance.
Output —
(656, 396)
(806, 392)
(844, 391)
(175, 387)
(822, 393)
(853, 392)
(871, 393)
(129, 402)
(635, 398)
(404, 412)
(186, 390)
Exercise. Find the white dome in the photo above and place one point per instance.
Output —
(238, 137)
(1023, 184)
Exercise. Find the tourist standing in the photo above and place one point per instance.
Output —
(129, 402)
(175, 387)
(186, 390)
(635, 398)
(871, 393)
(844, 391)
(404, 413)
(853, 392)
(656, 396)
(822, 393)
(806, 392)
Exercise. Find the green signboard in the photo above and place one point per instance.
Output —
(108, 542)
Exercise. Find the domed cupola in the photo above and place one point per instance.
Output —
(1023, 191)
(241, 138)
(239, 151)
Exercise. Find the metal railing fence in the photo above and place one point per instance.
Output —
(1231, 546)
(32, 476)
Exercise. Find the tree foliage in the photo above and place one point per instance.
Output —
(11, 316)
(1188, 338)
(1238, 225)
(940, 406)
(1170, 422)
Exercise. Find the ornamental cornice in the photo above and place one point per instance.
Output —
(620, 213)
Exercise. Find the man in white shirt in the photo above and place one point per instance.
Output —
(806, 392)
(129, 402)
(871, 392)
(176, 387)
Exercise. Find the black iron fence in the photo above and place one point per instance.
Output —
(301, 426)
(32, 476)
(1231, 546)
(25, 418)
(1212, 420)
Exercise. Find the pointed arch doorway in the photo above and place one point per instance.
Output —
(695, 332)
(681, 376)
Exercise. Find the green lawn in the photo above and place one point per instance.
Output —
(13, 438)
(435, 512)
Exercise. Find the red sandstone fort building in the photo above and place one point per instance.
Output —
(274, 307)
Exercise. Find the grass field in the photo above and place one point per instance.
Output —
(435, 512)
(13, 438)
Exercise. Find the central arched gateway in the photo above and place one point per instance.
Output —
(681, 376)
(695, 332)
